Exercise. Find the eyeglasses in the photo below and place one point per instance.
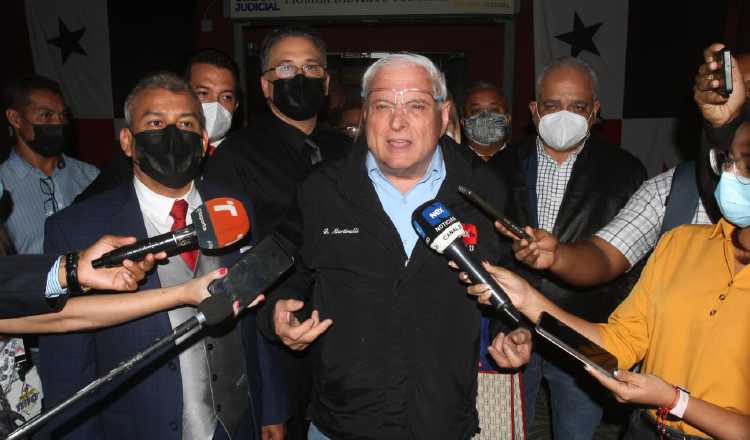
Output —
(725, 162)
(288, 70)
(47, 186)
(413, 102)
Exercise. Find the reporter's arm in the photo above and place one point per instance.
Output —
(96, 311)
(589, 262)
(715, 421)
(581, 263)
(651, 390)
(529, 301)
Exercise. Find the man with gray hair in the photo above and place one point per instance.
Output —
(217, 385)
(394, 341)
(570, 182)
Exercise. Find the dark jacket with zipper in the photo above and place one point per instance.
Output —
(400, 360)
(603, 179)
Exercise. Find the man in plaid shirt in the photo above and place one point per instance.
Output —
(571, 183)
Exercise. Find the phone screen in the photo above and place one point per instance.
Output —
(724, 71)
(575, 344)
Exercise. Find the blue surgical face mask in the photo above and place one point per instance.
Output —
(733, 196)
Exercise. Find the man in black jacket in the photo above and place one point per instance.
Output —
(270, 158)
(394, 340)
(569, 183)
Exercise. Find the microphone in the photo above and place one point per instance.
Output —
(217, 223)
(254, 273)
(443, 232)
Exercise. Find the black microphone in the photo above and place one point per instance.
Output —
(217, 223)
(442, 232)
(254, 272)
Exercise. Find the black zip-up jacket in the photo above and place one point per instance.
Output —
(400, 360)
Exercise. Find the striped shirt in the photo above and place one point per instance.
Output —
(551, 180)
(27, 185)
(635, 230)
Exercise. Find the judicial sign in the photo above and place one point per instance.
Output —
(364, 8)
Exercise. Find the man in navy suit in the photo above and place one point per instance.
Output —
(214, 385)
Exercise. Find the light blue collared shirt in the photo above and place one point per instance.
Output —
(30, 207)
(399, 207)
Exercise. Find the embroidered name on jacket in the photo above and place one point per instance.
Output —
(340, 231)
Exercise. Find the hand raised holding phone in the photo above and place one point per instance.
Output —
(719, 89)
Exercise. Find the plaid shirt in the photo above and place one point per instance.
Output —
(635, 229)
(551, 180)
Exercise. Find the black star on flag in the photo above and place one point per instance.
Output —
(581, 38)
(68, 41)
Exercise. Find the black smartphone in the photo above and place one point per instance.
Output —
(576, 345)
(724, 72)
(494, 213)
(256, 271)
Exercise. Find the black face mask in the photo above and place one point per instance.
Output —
(50, 139)
(170, 156)
(299, 98)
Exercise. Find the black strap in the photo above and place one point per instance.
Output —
(682, 199)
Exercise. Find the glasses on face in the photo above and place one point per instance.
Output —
(47, 186)
(726, 162)
(414, 103)
(288, 70)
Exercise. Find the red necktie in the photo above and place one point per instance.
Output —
(210, 150)
(178, 213)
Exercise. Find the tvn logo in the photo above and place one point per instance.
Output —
(435, 214)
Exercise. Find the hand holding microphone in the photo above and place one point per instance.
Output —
(217, 223)
(442, 232)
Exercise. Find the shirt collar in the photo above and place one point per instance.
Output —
(542, 152)
(723, 229)
(434, 171)
(22, 168)
(159, 206)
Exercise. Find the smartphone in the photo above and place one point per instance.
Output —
(724, 72)
(256, 271)
(576, 345)
(495, 213)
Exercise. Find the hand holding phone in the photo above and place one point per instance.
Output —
(495, 213)
(576, 345)
(723, 73)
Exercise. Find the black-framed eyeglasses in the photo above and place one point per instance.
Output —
(288, 70)
(47, 186)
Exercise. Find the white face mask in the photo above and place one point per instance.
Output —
(218, 120)
(562, 130)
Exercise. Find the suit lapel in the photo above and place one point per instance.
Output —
(127, 220)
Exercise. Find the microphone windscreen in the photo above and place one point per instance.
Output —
(220, 222)
(216, 309)
(436, 225)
